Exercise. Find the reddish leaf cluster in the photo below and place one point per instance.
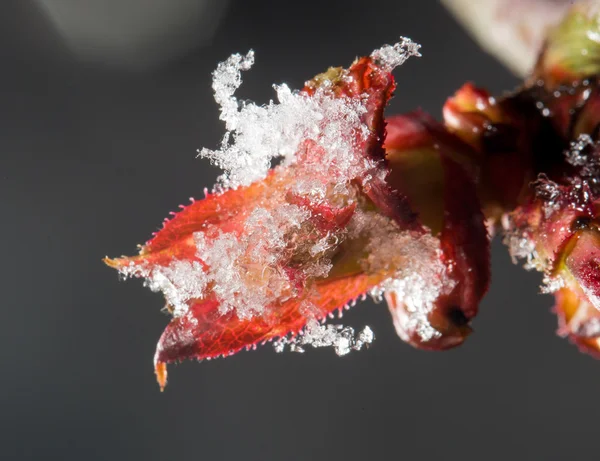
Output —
(411, 222)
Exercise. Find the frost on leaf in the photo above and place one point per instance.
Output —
(342, 339)
(258, 134)
(557, 233)
(276, 250)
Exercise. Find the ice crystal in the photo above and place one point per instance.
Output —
(554, 197)
(179, 282)
(417, 295)
(258, 134)
(577, 154)
(585, 156)
(321, 141)
(520, 245)
(392, 56)
(552, 283)
(243, 269)
(342, 339)
(419, 278)
(549, 193)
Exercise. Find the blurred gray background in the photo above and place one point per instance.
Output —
(98, 139)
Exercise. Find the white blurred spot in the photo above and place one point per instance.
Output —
(511, 30)
(133, 33)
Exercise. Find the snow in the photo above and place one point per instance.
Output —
(584, 154)
(549, 193)
(417, 277)
(391, 56)
(180, 282)
(574, 193)
(258, 134)
(552, 283)
(342, 339)
(244, 271)
(576, 155)
(318, 142)
(520, 245)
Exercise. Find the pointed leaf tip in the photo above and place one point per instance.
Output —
(160, 369)
(110, 262)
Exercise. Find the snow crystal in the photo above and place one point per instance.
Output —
(280, 344)
(258, 134)
(180, 282)
(243, 270)
(576, 155)
(417, 296)
(341, 338)
(392, 56)
(133, 270)
(327, 133)
(554, 197)
(226, 80)
(552, 283)
(575, 196)
(364, 338)
(520, 246)
(319, 141)
(584, 154)
(327, 242)
(417, 275)
(549, 192)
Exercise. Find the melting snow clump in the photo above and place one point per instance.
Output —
(419, 277)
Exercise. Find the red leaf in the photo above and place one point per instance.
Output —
(428, 167)
(465, 240)
(204, 333)
(208, 323)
